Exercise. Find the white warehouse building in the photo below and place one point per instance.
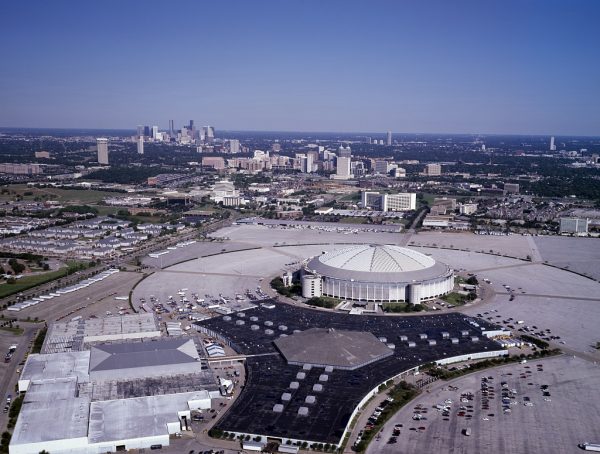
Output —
(379, 273)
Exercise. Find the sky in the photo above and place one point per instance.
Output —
(461, 66)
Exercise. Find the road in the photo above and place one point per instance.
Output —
(10, 377)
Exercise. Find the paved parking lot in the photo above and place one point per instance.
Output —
(97, 299)
(554, 423)
(551, 298)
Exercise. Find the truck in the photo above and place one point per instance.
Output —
(467, 432)
(590, 446)
(12, 349)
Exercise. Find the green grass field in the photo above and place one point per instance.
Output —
(352, 197)
(28, 282)
(15, 331)
(455, 298)
(72, 196)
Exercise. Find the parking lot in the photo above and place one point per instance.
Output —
(543, 296)
(93, 300)
(541, 406)
(269, 374)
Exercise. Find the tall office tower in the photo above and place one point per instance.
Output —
(389, 138)
(140, 144)
(171, 128)
(210, 134)
(102, 145)
(368, 140)
(307, 163)
(433, 170)
(191, 124)
(154, 132)
(147, 131)
(343, 167)
(140, 130)
(344, 152)
(552, 146)
(234, 146)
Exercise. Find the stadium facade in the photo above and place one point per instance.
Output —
(378, 273)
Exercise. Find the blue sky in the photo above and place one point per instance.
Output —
(480, 66)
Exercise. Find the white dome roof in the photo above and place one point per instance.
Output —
(377, 263)
(377, 259)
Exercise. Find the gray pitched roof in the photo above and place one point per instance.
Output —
(142, 354)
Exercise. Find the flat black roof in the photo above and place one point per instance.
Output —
(268, 377)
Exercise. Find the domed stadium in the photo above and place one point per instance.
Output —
(379, 273)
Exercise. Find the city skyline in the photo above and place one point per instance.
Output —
(432, 67)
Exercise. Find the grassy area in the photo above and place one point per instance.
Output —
(15, 331)
(427, 199)
(294, 290)
(458, 299)
(443, 373)
(73, 196)
(28, 282)
(535, 341)
(39, 341)
(353, 197)
(14, 411)
(402, 307)
(323, 301)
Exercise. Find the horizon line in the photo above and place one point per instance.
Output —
(359, 133)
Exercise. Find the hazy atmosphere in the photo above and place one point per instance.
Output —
(510, 67)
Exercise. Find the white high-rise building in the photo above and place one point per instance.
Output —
(403, 201)
(344, 152)
(389, 138)
(155, 132)
(140, 144)
(381, 166)
(102, 145)
(307, 163)
(234, 146)
(343, 167)
(433, 170)
(552, 146)
(399, 202)
(207, 134)
(576, 226)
